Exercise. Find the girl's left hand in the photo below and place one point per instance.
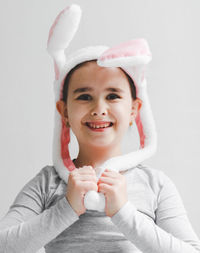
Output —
(113, 185)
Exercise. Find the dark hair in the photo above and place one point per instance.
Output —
(67, 79)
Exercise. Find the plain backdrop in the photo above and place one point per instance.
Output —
(26, 84)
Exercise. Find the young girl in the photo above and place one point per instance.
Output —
(102, 201)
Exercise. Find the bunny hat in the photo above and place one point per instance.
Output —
(132, 57)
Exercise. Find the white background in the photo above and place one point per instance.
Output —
(26, 90)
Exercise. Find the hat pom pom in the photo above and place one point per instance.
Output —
(94, 201)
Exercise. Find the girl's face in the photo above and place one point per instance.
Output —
(99, 105)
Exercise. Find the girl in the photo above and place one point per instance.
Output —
(102, 201)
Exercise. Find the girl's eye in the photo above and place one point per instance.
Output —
(84, 97)
(87, 97)
(112, 96)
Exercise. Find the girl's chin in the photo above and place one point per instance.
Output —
(98, 144)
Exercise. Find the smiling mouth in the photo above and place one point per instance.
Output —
(99, 125)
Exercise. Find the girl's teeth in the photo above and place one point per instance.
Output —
(100, 126)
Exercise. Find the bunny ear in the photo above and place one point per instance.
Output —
(132, 53)
(61, 33)
(132, 56)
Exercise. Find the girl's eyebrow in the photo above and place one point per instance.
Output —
(83, 89)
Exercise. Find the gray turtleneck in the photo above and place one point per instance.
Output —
(154, 219)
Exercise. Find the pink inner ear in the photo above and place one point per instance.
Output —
(140, 130)
(137, 47)
(55, 23)
(65, 139)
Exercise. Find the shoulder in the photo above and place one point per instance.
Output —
(151, 189)
(35, 193)
(48, 176)
(45, 180)
(151, 177)
(47, 185)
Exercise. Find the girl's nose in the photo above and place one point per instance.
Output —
(99, 109)
(96, 114)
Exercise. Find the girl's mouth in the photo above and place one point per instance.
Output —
(99, 127)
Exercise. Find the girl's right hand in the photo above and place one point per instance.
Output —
(80, 181)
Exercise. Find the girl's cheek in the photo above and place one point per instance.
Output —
(118, 110)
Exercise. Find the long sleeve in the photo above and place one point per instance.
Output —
(27, 227)
(171, 232)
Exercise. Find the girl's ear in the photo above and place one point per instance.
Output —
(136, 105)
(62, 109)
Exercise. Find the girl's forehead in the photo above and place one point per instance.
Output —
(92, 74)
(87, 67)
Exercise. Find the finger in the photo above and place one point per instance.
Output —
(83, 171)
(88, 186)
(110, 173)
(104, 188)
(86, 170)
(107, 180)
(83, 177)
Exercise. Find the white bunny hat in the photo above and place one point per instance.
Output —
(132, 57)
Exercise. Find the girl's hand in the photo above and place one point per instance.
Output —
(113, 185)
(80, 182)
